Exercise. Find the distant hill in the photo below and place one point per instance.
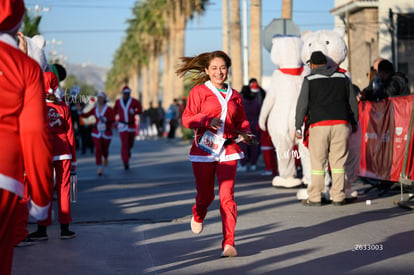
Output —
(89, 74)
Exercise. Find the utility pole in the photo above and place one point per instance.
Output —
(226, 27)
(391, 29)
(245, 46)
(287, 9)
(348, 34)
(54, 53)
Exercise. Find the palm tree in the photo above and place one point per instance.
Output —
(158, 28)
(30, 25)
(226, 29)
(255, 60)
(236, 47)
(178, 12)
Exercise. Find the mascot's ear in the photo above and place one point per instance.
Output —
(305, 35)
(340, 31)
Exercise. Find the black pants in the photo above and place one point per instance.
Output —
(173, 128)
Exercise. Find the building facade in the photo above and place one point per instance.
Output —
(377, 29)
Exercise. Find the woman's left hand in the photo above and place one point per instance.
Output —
(246, 137)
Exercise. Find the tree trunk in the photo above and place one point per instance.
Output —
(169, 87)
(145, 87)
(155, 79)
(236, 46)
(255, 60)
(179, 51)
(226, 29)
(133, 83)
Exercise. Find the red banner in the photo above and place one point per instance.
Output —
(384, 127)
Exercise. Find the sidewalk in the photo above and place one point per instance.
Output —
(138, 222)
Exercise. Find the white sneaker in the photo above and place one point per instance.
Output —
(241, 169)
(229, 251)
(253, 168)
(196, 227)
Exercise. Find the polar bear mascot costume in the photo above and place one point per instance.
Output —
(279, 108)
(36, 50)
(331, 43)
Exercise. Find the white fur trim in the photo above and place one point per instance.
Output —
(8, 39)
(38, 212)
(62, 157)
(125, 108)
(209, 158)
(100, 135)
(11, 185)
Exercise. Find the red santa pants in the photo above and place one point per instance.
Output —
(22, 217)
(268, 151)
(62, 171)
(127, 142)
(205, 173)
(101, 149)
(8, 204)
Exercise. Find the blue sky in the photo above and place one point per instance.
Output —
(90, 31)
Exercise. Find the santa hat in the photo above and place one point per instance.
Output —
(126, 89)
(11, 14)
(254, 87)
(50, 81)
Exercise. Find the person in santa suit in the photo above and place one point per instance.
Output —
(126, 108)
(266, 144)
(102, 131)
(64, 159)
(25, 142)
(215, 111)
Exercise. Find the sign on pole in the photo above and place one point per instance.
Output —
(278, 26)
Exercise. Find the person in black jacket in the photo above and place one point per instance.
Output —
(328, 101)
(386, 83)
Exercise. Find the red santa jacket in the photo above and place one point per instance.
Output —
(61, 131)
(24, 133)
(126, 113)
(202, 106)
(104, 121)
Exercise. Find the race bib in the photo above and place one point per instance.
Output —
(211, 143)
(101, 127)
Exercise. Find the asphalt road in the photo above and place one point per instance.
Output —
(138, 222)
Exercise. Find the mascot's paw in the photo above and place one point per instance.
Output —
(351, 194)
(290, 182)
(302, 194)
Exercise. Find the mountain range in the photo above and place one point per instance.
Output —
(88, 74)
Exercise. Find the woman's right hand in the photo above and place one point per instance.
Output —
(22, 42)
(216, 123)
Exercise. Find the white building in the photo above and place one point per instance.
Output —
(377, 28)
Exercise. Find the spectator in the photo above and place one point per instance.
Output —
(251, 107)
(266, 145)
(173, 114)
(386, 83)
